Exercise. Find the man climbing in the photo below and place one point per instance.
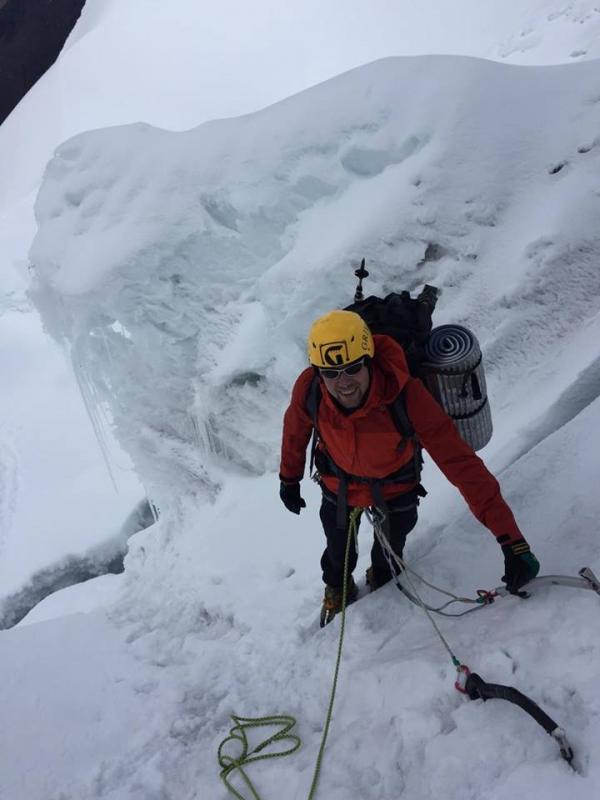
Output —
(363, 459)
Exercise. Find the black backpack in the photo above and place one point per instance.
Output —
(406, 319)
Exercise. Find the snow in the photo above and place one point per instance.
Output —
(39, 498)
(211, 252)
(177, 65)
(202, 638)
(180, 273)
(56, 496)
(81, 598)
(78, 682)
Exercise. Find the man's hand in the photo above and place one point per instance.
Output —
(290, 497)
(520, 565)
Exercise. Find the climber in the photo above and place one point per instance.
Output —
(371, 418)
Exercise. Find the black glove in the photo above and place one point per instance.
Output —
(290, 497)
(520, 565)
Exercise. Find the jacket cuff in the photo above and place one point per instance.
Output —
(506, 539)
(289, 481)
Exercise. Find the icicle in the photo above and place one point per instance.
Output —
(109, 357)
(91, 406)
(201, 436)
(153, 510)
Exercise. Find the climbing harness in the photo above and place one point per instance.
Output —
(467, 682)
(229, 764)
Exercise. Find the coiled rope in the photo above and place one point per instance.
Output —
(239, 732)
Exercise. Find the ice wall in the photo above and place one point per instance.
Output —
(183, 269)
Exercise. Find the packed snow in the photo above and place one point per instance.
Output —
(182, 271)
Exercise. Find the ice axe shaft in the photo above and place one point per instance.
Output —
(587, 580)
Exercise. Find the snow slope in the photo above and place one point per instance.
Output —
(183, 270)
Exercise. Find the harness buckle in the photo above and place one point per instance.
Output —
(378, 516)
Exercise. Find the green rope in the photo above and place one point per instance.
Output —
(352, 532)
(238, 733)
(229, 764)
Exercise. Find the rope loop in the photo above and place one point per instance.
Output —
(238, 733)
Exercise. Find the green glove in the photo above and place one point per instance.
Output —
(520, 565)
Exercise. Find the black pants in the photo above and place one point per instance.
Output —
(402, 515)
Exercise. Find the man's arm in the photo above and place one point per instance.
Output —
(460, 464)
(297, 430)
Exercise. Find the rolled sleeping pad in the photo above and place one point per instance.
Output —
(453, 373)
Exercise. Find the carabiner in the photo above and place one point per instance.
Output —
(463, 673)
(486, 596)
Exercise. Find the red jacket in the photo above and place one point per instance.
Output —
(366, 441)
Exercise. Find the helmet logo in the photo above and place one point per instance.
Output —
(334, 353)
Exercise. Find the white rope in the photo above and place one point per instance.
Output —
(376, 519)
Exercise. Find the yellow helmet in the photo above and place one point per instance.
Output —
(339, 338)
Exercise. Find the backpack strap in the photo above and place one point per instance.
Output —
(402, 421)
(400, 417)
(313, 398)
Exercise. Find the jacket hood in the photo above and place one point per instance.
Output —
(390, 362)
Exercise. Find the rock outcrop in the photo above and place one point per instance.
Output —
(32, 34)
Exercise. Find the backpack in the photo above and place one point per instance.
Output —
(406, 319)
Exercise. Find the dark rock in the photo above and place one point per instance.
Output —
(32, 34)
(107, 558)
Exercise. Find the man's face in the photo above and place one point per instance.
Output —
(348, 389)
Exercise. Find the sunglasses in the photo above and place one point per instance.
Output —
(334, 374)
